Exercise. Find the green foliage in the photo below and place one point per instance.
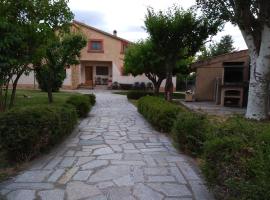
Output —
(158, 112)
(237, 162)
(225, 45)
(81, 104)
(135, 94)
(141, 58)
(92, 98)
(45, 77)
(25, 29)
(189, 132)
(25, 132)
(177, 35)
(61, 53)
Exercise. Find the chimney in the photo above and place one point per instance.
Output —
(115, 33)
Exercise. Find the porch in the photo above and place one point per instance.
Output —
(210, 107)
(94, 74)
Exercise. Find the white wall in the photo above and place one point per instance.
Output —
(117, 77)
(67, 81)
(30, 80)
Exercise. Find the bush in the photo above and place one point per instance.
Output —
(189, 132)
(237, 162)
(158, 112)
(125, 86)
(25, 132)
(42, 75)
(92, 98)
(135, 94)
(81, 104)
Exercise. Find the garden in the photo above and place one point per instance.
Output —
(233, 153)
(37, 38)
(33, 126)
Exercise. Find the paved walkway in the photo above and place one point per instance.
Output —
(116, 155)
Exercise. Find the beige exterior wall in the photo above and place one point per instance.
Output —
(112, 54)
(208, 71)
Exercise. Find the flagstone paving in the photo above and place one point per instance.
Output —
(113, 155)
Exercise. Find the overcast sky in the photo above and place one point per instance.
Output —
(127, 16)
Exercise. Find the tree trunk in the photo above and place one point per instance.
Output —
(169, 83)
(1, 99)
(157, 86)
(14, 87)
(50, 96)
(258, 96)
(6, 96)
(49, 89)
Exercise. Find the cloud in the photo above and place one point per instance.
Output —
(92, 18)
(127, 16)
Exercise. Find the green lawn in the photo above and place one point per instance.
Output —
(27, 98)
(36, 97)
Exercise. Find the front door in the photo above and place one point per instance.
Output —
(89, 75)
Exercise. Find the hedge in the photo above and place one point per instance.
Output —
(189, 132)
(235, 153)
(135, 94)
(25, 132)
(237, 161)
(92, 98)
(82, 104)
(158, 112)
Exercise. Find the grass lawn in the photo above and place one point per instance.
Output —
(36, 97)
(27, 98)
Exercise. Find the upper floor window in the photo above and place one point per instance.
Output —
(124, 46)
(96, 46)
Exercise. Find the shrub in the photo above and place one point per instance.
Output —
(189, 132)
(92, 98)
(25, 132)
(42, 75)
(125, 86)
(81, 104)
(135, 94)
(158, 112)
(142, 86)
(136, 86)
(237, 162)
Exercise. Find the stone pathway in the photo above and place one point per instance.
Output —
(116, 155)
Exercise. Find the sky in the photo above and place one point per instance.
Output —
(127, 17)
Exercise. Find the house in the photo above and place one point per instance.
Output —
(101, 62)
(223, 79)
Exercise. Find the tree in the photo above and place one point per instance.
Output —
(177, 35)
(141, 58)
(26, 26)
(61, 53)
(253, 19)
(225, 45)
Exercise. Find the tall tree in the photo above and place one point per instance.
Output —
(225, 45)
(26, 27)
(177, 35)
(61, 53)
(253, 19)
(141, 58)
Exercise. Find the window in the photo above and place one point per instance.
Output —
(96, 46)
(102, 70)
(233, 72)
(124, 47)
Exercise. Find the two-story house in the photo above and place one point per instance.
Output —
(101, 62)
